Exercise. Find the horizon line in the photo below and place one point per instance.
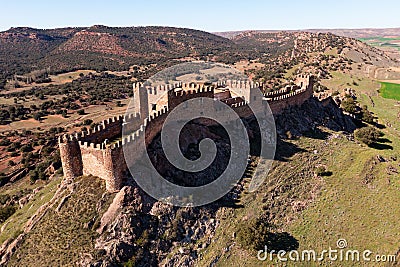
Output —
(218, 31)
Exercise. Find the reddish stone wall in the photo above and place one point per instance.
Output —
(108, 164)
(114, 168)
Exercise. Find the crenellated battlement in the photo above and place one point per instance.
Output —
(239, 84)
(99, 151)
(159, 89)
(193, 90)
(277, 97)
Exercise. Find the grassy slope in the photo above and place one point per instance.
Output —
(14, 225)
(365, 214)
(62, 238)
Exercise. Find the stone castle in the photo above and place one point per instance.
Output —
(99, 152)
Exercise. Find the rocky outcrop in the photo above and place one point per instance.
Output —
(138, 229)
(298, 121)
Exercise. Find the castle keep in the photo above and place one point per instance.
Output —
(99, 151)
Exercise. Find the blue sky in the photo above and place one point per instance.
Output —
(203, 15)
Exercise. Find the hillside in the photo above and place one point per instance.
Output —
(99, 47)
(387, 39)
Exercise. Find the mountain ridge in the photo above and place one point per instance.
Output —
(352, 33)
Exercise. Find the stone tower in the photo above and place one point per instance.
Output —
(71, 158)
(114, 167)
(140, 100)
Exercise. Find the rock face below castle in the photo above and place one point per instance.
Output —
(99, 152)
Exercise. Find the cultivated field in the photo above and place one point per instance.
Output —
(390, 90)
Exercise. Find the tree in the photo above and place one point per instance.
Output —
(26, 148)
(366, 115)
(11, 163)
(34, 175)
(81, 112)
(6, 212)
(38, 116)
(87, 122)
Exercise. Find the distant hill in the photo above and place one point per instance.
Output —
(352, 33)
(101, 47)
(23, 49)
(387, 39)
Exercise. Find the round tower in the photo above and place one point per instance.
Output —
(113, 170)
(70, 155)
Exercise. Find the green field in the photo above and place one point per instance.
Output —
(390, 90)
(382, 42)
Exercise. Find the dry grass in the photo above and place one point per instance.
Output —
(63, 238)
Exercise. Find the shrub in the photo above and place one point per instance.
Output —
(6, 212)
(14, 154)
(38, 116)
(4, 199)
(322, 171)
(34, 175)
(26, 148)
(368, 135)
(5, 142)
(254, 234)
(366, 115)
(349, 105)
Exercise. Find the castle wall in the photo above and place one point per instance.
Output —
(108, 164)
(177, 97)
(108, 129)
(88, 154)
(223, 95)
(297, 98)
(233, 100)
(154, 125)
(92, 160)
